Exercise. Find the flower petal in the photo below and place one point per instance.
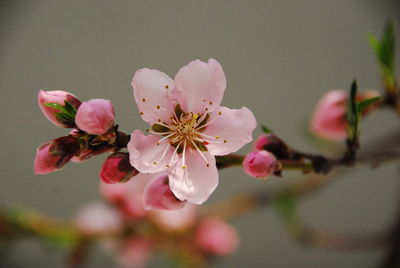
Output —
(230, 131)
(200, 85)
(197, 181)
(146, 156)
(151, 89)
(157, 195)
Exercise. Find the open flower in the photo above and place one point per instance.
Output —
(188, 127)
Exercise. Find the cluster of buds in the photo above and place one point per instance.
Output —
(137, 232)
(93, 130)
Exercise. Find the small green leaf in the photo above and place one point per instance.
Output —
(353, 115)
(55, 106)
(364, 104)
(266, 130)
(384, 49)
(71, 110)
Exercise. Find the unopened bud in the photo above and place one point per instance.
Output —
(117, 168)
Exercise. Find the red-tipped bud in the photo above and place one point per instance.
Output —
(54, 155)
(117, 168)
(56, 99)
(95, 116)
(158, 195)
(260, 164)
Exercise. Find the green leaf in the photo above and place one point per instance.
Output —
(70, 109)
(266, 130)
(55, 106)
(353, 115)
(364, 104)
(385, 52)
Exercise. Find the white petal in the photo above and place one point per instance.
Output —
(146, 156)
(230, 131)
(151, 89)
(197, 181)
(200, 85)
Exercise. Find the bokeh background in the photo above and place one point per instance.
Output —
(279, 58)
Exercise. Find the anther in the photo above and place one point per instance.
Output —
(143, 99)
(158, 107)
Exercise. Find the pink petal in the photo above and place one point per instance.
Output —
(151, 89)
(146, 156)
(200, 85)
(136, 252)
(197, 181)
(158, 195)
(231, 130)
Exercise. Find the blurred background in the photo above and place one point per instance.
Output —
(279, 58)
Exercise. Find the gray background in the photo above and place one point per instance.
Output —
(279, 58)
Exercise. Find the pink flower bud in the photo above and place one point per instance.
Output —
(260, 164)
(95, 116)
(135, 252)
(158, 195)
(329, 117)
(58, 97)
(216, 237)
(117, 168)
(98, 218)
(54, 155)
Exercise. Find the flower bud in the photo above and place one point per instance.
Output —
(260, 164)
(117, 168)
(54, 155)
(98, 218)
(57, 97)
(216, 237)
(95, 116)
(272, 144)
(329, 117)
(158, 195)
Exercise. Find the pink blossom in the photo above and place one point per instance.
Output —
(260, 164)
(95, 116)
(135, 253)
(178, 220)
(98, 218)
(158, 195)
(188, 127)
(45, 162)
(329, 117)
(58, 97)
(117, 168)
(216, 237)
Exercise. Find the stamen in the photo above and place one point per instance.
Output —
(166, 137)
(160, 133)
(183, 155)
(210, 122)
(201, 154)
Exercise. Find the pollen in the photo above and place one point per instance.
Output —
(183, 167)
(217, 137)
(158, 107)
(141, 113)
(225, 141)
(166, 86)
(143, 99)
(155, 163)
(219, 112)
